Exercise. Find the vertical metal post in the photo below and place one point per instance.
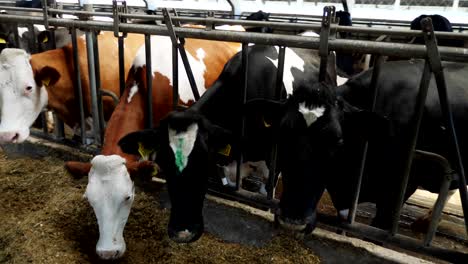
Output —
(44, 123)
(98, 83)
(45, 14)
(149, 82)
(436, 67)
(175, 76)
(414, 130)
(183, 55)
(59, 127)
(242, 101)
(375, 93)
(92, 86)
(116, 11)
(76, 66)
(272, 179)
(122, 72)
(441, 198)
(328, 12)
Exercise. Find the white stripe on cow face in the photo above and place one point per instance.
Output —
(133, 91)
(291, 59)
(161, 62)
(182, 144)
(311, 114)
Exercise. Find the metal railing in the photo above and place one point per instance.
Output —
(325, 43)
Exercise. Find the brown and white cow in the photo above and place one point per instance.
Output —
(29, 83)
(110, 189)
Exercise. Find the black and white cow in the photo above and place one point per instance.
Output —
(259, 16)
(388, 133)
(188, 142)
(440, 23)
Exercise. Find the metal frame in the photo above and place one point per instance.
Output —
(324, 44)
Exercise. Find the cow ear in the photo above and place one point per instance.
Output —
(43, 36)
(366, 124)
(140, 143)
(217, 136)
(46, 76)
(266, 106)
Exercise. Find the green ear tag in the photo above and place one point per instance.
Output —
(179, 156)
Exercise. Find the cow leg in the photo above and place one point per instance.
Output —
(385, 207)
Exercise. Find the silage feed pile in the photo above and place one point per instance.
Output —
(44, 219)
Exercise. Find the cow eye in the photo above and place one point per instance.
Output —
(29, 88)
(128, 198)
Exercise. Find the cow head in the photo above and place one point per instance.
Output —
(310, 136)
(186, 144)
(110, 191)
(314, 127)
(23, 94)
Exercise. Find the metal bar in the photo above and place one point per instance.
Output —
(179, 42)
(444, 189)
(413, 137)
(385, 48)
(272, 177)
(398, 240)
(44, 123)
(323, 48)
(375, 93)
(59, 128)
(45, 15)
(149, 82)
(122, 72)
(437, 69)
(102, 122)
(93, 87)
(77, 84)
(242, 100)
(306, 18)
(345, 5)
(59, 125)
(175, 76)
(275, 25)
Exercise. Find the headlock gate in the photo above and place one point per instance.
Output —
(168, 24)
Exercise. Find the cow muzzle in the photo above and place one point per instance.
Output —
(305, 225)
(9, 137)
(110, 253)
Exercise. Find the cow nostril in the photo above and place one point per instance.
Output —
(15, 137)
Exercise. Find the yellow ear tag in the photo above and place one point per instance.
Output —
(2, 41)
(46, 39)
(265, 123)
(46, 82)
(155, 170)
(144, 153)
(226, 151)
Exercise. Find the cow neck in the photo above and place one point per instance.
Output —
(61, 94)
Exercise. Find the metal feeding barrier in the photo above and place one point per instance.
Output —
(169, 25)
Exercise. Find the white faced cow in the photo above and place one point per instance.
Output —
(110, 192)
(29, 83)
